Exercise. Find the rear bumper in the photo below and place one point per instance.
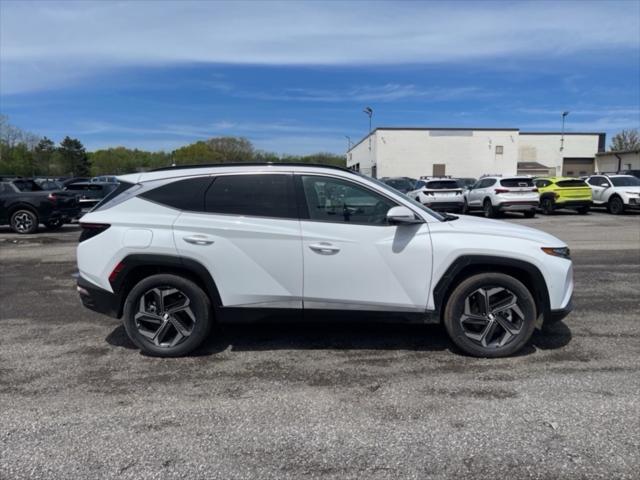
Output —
(98, 299)
(573, 204)
(517, 206)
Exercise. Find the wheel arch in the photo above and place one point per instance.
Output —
(136, 267)
(22, 206)
(465, 266)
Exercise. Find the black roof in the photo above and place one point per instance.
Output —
(252, 164)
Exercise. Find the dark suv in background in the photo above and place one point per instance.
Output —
(24, 205)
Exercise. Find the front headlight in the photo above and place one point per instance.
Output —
(562, 252)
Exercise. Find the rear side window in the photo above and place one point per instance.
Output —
(260, 195)
(109, 199)
(516, 182)
(571, 183)
(187, 194)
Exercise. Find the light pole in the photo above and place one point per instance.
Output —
(369, 112)
(564, 114)
(348, 142)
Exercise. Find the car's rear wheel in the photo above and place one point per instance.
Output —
(488, 209)
(546, 205)
(54, 224)
(490, 315)
(167, 315)
(583, 210)
(529, 214)
(24, 221)
(615, 206)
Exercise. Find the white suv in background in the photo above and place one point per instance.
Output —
(616, 192)
(493, 195)
(171, 251)
(442, 194)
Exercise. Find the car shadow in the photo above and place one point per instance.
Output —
(343, 336)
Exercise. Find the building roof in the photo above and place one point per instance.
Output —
(619, 152)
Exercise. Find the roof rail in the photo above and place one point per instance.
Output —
(252, 164)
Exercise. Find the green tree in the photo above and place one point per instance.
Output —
(626, 140)
(74, 157)
(42, 155)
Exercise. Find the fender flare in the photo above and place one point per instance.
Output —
(478, 263)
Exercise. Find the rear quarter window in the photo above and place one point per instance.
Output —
(187, 194)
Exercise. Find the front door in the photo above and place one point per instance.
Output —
(353, 259)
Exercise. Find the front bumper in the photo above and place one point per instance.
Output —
(98, 299)
(557, 315)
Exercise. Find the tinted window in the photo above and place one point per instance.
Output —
(419, 184)
(571, 183)
(335, 200)
(597, 181)
(516, 182)
(185, 194)
(442, 184)
(399, 184)
(542, 183)
(487, 182)
(6, 188)
(27, 186)
(117, 189)
(261, 195)
(625, 181)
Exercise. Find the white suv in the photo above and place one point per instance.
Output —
(442, 194)
(494, 195)
(170, 251)
(616, 192)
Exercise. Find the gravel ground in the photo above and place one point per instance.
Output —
(321, 401)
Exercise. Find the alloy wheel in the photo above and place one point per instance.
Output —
(23, 222)
(165, 316)
(492, 317)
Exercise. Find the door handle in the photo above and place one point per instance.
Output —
(324, 248)
(198, 240)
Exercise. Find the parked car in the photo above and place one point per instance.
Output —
(494, 195)
(466, 182)
(563, 192)
(105, 179)
(442, 194)
(635, 173)
(90, 193)
(24, 205)
(49, 184)
(69, 181)
(616, 192)
(402, 184)
(173, 250)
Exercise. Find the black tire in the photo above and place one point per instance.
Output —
(615, 206)
(24, 221)
(488, 209)
(198, 303)
(524, 324)
(529, 214)
(583, 210)
(465, 208)
(546, 205)
(54, 224)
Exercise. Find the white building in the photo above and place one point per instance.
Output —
(472, 152)
(607, 162)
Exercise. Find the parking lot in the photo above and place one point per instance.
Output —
(311, 401)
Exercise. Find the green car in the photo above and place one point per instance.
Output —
(563, 192)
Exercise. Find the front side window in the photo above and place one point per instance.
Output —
(335, 200)
(596, 181)
(625, 181)
(259, 195)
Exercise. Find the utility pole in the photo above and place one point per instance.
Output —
(369, 112)
(348, 142)
(564, 114)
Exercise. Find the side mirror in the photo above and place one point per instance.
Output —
(402, 216)
(605, 185)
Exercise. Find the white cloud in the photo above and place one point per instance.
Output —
(51, 44)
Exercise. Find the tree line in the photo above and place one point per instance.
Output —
(26, 154)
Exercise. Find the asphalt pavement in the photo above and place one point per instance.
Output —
(321, 401)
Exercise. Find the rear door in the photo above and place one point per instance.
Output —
(247, 233)
(355, 260)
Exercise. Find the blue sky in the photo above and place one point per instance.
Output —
(293, 77)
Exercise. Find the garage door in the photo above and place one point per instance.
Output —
(577, 167)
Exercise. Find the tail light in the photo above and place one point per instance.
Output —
(52, 198)
(502, 190)
(90, 230)
(114, 273)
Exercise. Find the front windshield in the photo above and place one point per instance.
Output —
(625, 181)
(409, 199)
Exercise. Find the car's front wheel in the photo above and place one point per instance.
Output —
(616, 206)
(490, 315)
(167, 315)
(24, 221)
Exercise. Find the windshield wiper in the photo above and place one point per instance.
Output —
(448, 217)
